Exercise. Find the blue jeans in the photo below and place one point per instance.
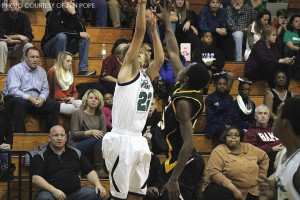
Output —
(83, 193)
(101, 12)
(86, 146)
(4, 158)
(61, 42)
(238, 38)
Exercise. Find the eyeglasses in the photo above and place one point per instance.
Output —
(246, 89)
(233, 135)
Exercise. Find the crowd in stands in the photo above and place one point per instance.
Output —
(222, 32)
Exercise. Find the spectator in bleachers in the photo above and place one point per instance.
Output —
(65, 31)
(219, 110)
(233, 168)
(254, 31)
(265, 58)
(209, 55)
(239, 16)
(212, 18)
(88, 128)
(6, 134)
(111, 66)
(107, 110)
(100, 7)
(44, 4)
(186, 22)
(26, 91)
(291, 39)
(6, 130)
(166, 71)
(243, 105)
(155, 167)
(274, 97)
(122, 12)
(280, 24)
(261, 136)
(15, 33)
(258, 5)
(61, 84)
(56, 171)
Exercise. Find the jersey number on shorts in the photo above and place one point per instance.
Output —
(144, 101)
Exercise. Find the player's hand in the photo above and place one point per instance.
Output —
(266, 187)
(164, 14)
(172, 187)
(151, 19)
(152, 192)
(59, 195)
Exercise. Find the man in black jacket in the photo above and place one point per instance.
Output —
(66, 32)
(15, 33)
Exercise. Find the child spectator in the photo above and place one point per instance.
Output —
(88, 128)
(280, 24)
(291, 39)
(207, 54)
(219, 110)
(243, 105)
(212, 19)
(255, 29)
(61, 84)
(108, 103)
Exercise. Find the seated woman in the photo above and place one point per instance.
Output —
(61, 84)
(291, 39)
(186, 21)
(212, 19)
(219, 111)
(254, 31)
(111, 66)
(88, 128)
(233, 169)
(265, 58)
(244, 106)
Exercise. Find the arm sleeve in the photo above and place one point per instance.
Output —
(38, 165)
(220, 60)
(27, 31)
(211, 115)
(103, 124)
(263, 161)
(85, 165)
(13, 84)
(76, 132)
(45, 86)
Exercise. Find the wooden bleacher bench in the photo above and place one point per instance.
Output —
(294, 4)
(30, 141)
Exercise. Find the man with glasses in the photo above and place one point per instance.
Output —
(15, 33)
(261, 136)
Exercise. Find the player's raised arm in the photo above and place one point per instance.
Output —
(171, 42)
(155, 65)
(131, 66)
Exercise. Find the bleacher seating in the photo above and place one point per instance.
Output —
(108, 36)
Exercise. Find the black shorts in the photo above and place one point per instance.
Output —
(189, 180)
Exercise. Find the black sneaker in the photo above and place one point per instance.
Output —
(87, 73)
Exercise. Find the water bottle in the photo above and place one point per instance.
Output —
(103, 51)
